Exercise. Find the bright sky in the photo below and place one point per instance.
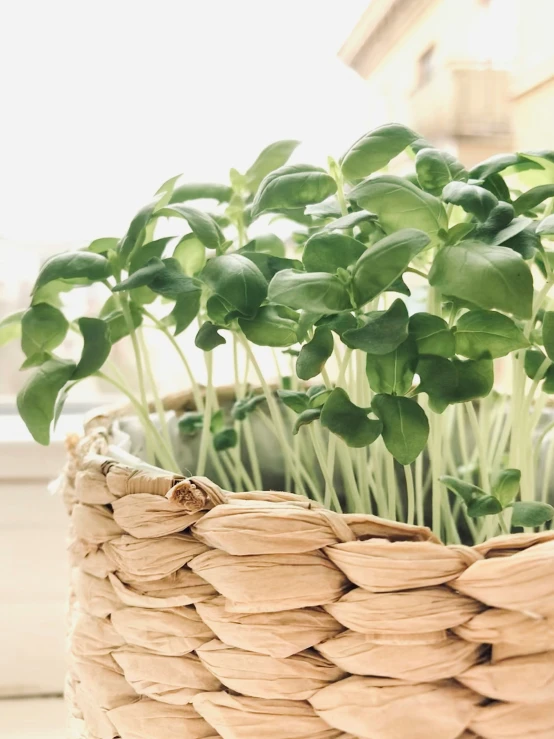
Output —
(103, 100)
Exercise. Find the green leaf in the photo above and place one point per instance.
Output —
(10, 327)
(454, 380)
(267, 244)
(316, 292)
(432, 335)
(293, 186)
(273, 325)
(217, 422)
(314, 354)
(305, 418)
(548, 384)
(478, 502)
(482, 332)
(532, 198)
(382, 264)
(506, 486)
(243, 407)
(268, 264)
(202, 225)
(400, 204)
(533, 360)
(464, 490)
(43, 328)
(143, 276)
(349, 421)
(171, 282)
(458, 232)
(505, 234)
(498, 163)
(393, 373)
(399, 286)
(147, 252)
(435, 169)
(326, 252)
(115, 319)
(329, 208)
(526, 242)
(374, 150)
(405, 426)
(293, 399)
(189, 424)
(350, 220)
(531, 513)
(318, 396)
(546, 226)
(497, 185)
(73, 264)
(485, 505)
(190, 252)
(488, 276)
(35, 360)
(185, 310)
(218, 310)
(383, 331)
(472, 198)
(201, 191)
(548, 333)
(96, 348)
(237, 280)
(271, 158)
(225, 439)
(208, 337)
(103, 246)
(339, 323)
(134, 234)
(36, 401)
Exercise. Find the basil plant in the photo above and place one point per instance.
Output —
(393, 301)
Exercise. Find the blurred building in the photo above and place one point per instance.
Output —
(476, 77)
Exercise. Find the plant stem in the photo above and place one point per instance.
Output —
(121, 302)
(151, 433)
(160, 410)
(410, 493)
(205, 437)
(330, 493)
(420, 510)
(196, 392)
(274, 412)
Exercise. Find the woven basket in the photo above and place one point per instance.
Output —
(198, 613)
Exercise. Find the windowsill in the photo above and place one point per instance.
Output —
(13, 430)
(22, 459)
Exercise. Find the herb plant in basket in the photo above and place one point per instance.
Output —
(411, 324)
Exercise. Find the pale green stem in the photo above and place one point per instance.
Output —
(121, 302)
(160, 410)
(410, 492)
(196, 392)
(420, 509)
(330, 493)
(303, 472)
(547, 476)
(205, 437)
(151, 433)
(274, 412)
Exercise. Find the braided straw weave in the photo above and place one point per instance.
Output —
(197, 613)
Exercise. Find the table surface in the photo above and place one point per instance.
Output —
(32, 718)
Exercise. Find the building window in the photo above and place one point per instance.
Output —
(425, 66)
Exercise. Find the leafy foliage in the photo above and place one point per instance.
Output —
(470, 253)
